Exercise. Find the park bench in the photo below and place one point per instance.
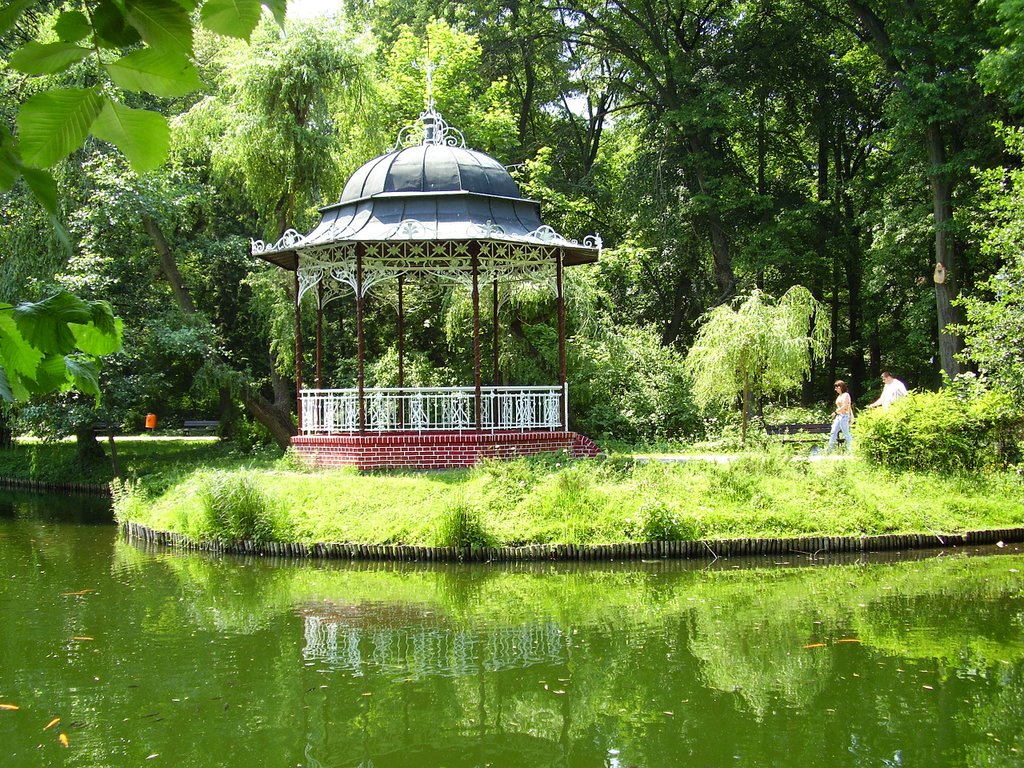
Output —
(105, 429)
(797, 433)
(201, 426)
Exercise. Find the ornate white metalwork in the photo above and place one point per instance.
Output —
(431, 409)
(408, 229)
(487, 231)
(285, 242)
(430, 128)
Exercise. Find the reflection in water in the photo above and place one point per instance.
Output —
(426, 651)
(259, 662)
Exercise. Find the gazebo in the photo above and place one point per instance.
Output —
(429, 210)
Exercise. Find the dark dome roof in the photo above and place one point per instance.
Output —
(430, 168)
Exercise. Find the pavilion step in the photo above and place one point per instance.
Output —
(584, 448)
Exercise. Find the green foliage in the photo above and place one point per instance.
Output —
(232, 507)
(662, 521)
(54, 344)
(962, 427)
(461, 525)
(759, 348)
(625, 384)
(994, 324)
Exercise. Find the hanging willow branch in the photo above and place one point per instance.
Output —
(760, 347)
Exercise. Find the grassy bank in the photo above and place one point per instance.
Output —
(160, 461)
(554, 501)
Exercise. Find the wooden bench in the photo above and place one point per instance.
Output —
(105, 429)
(797, 433)
(203, 427)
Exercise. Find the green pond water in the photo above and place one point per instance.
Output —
(151, 657)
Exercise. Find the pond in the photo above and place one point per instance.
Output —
(153, 657)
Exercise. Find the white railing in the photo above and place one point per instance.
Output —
(431, 409)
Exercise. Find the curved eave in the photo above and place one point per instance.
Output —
(393, 217)
(573, 255)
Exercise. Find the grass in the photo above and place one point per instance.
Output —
(157, 462)
(552, 500)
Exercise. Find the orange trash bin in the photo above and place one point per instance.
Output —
(150, 421)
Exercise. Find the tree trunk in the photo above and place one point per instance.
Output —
(276, 417)
(89, 448)
(945, 252)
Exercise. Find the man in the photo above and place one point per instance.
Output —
(892, 391)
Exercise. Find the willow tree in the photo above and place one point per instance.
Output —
(759, 346)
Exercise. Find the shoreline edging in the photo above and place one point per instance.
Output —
(701, 549)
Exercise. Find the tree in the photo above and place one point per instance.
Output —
(994, 326)
(761, 347)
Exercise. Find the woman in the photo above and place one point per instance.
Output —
(842, 416)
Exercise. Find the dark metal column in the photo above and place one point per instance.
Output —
(478, 398)
(298, 349)
(564, 395)
(401, 331)
(320, 333)
(494, 350)
(494, 332)
(401, 350)
(359, 336)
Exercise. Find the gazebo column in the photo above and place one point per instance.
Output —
(360, 377)
(298, 349)
(320, 334)
(494, 349)
(401, 350)
(478, 396)
(563, 395)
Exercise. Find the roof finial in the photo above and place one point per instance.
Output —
(430, 78)
(431, 128)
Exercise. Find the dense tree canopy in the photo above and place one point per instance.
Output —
(849, 146)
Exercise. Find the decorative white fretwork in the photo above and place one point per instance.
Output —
(431, 409)
(430, 128)
(284, 243)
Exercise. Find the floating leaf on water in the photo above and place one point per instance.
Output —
(52, 723)
(929, 687)
(63, 739)
(155, 754)
(666, 712)
(83, 637)
(79, 593)
(815, 645)
(848, 640)
(9, 707)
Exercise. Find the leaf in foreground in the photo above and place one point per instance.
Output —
(46, 58)
(162, 73)
(143, 136)
(53, 124)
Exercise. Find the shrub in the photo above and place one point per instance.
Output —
(961, 427)
(659, 521)
(127, 499)
(461, 525)
(233, 507)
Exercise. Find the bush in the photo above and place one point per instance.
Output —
(659, 521)
(961, 427)
(233, 507)
(628, 386)
(461, 525)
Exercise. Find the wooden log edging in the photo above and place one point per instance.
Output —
(43, 486)
(703, 549)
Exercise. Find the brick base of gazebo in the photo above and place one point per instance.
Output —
(434, 450)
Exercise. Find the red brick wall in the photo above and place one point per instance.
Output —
(433, 450)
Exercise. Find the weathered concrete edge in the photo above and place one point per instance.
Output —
(21, 484)
(702, 549)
